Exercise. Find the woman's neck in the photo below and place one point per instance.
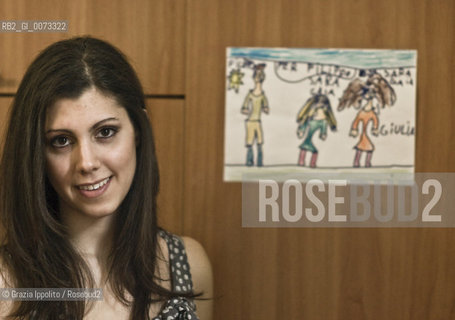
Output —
(91, 237)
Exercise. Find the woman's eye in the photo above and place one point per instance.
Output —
(106, 133)
(60, 142)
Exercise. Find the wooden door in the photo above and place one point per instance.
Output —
(318, 273)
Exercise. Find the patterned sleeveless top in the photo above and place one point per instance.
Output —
(178, 308)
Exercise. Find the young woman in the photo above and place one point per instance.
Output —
(79, 180)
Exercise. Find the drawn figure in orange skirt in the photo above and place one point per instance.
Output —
(362, 95)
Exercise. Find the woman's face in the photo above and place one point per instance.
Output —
(90, 153)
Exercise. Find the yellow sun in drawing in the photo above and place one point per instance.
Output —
(235, 79)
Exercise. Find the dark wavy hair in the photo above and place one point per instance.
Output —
(36, 252)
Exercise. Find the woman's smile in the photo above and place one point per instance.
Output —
(93, 190)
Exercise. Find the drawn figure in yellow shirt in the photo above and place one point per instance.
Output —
(254, 104)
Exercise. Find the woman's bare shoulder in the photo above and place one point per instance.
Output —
(202, 275)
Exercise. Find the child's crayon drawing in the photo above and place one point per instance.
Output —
(355, 111)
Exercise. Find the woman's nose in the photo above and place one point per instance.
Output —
(87, 158)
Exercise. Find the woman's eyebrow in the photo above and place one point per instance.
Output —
(100, 123)
(96, 125)
(58, 130)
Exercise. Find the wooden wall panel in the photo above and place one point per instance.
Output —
(5, 103)
(167, 117)
(318, 273)
(150, 33)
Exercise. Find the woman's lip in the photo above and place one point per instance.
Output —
(92, 183)
(96, 192)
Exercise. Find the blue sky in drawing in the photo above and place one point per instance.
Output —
(354, 58)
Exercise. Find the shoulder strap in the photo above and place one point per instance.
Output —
(178, 262)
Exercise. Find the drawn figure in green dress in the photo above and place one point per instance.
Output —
(314, 116)
(254, 104)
